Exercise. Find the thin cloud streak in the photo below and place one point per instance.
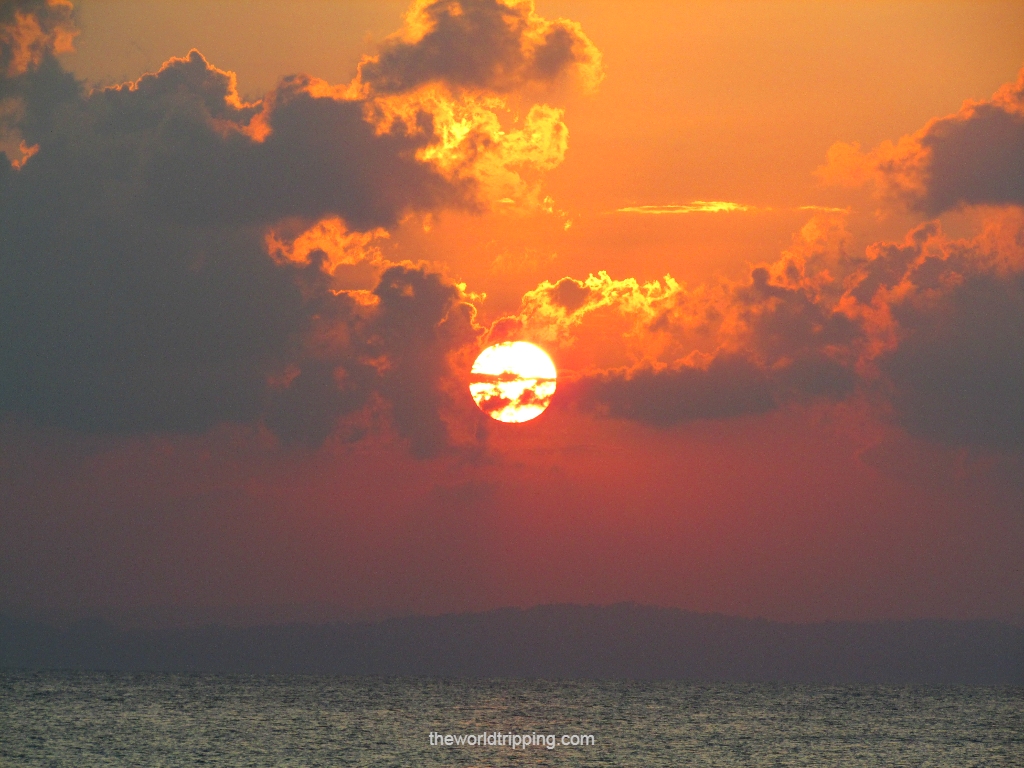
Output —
(824, 209)
(719, 206)
(697, 206)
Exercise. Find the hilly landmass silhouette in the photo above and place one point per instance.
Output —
(552, 641)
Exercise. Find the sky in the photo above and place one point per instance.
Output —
(249, 252)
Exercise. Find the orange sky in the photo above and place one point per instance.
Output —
(839, 494)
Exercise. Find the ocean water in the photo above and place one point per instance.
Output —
(95, 719)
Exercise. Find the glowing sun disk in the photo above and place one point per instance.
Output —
(513, 381)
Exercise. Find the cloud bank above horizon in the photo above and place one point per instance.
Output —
(173, 258)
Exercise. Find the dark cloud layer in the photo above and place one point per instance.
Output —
(729, 386)
(136, 291)
(957, 375)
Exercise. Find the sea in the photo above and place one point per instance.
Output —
(84, 719)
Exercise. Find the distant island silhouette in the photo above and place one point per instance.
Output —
(553, 641)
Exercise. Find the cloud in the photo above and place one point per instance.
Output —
(929, 329)
(481, 45)
(771, 344)
(955, 366)
(972, 157)
(718, 206)
(713, 351)
(956, 376)
(172, 257)
(422, 319)
(729, 386)
(823, 209)
(31, 30)
(697, 206)
(388, 350)
(452, 67)
(470, 147)
(550, 312)
(138, 292)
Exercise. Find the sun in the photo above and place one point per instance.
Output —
(513, 381)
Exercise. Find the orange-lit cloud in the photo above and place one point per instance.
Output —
(30, 30)
(470, 146)
(932, 326)
(705, 318)
(26, 153)
(330, 238)
(550, 312)
(717, 206)
(449, 72)
(823, 209)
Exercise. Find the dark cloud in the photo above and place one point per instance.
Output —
(184, 142)
(730, 386)
(947, 321)
(494, 45)
(421, 320)
(975, 158)
(569, 294)
(972, 157)
(136, 290)
(396, 350)
(888, 264)
(140, 287)
(957, 375)
(813, 375)
(785, 320)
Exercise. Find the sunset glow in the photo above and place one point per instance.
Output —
(249, 253)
